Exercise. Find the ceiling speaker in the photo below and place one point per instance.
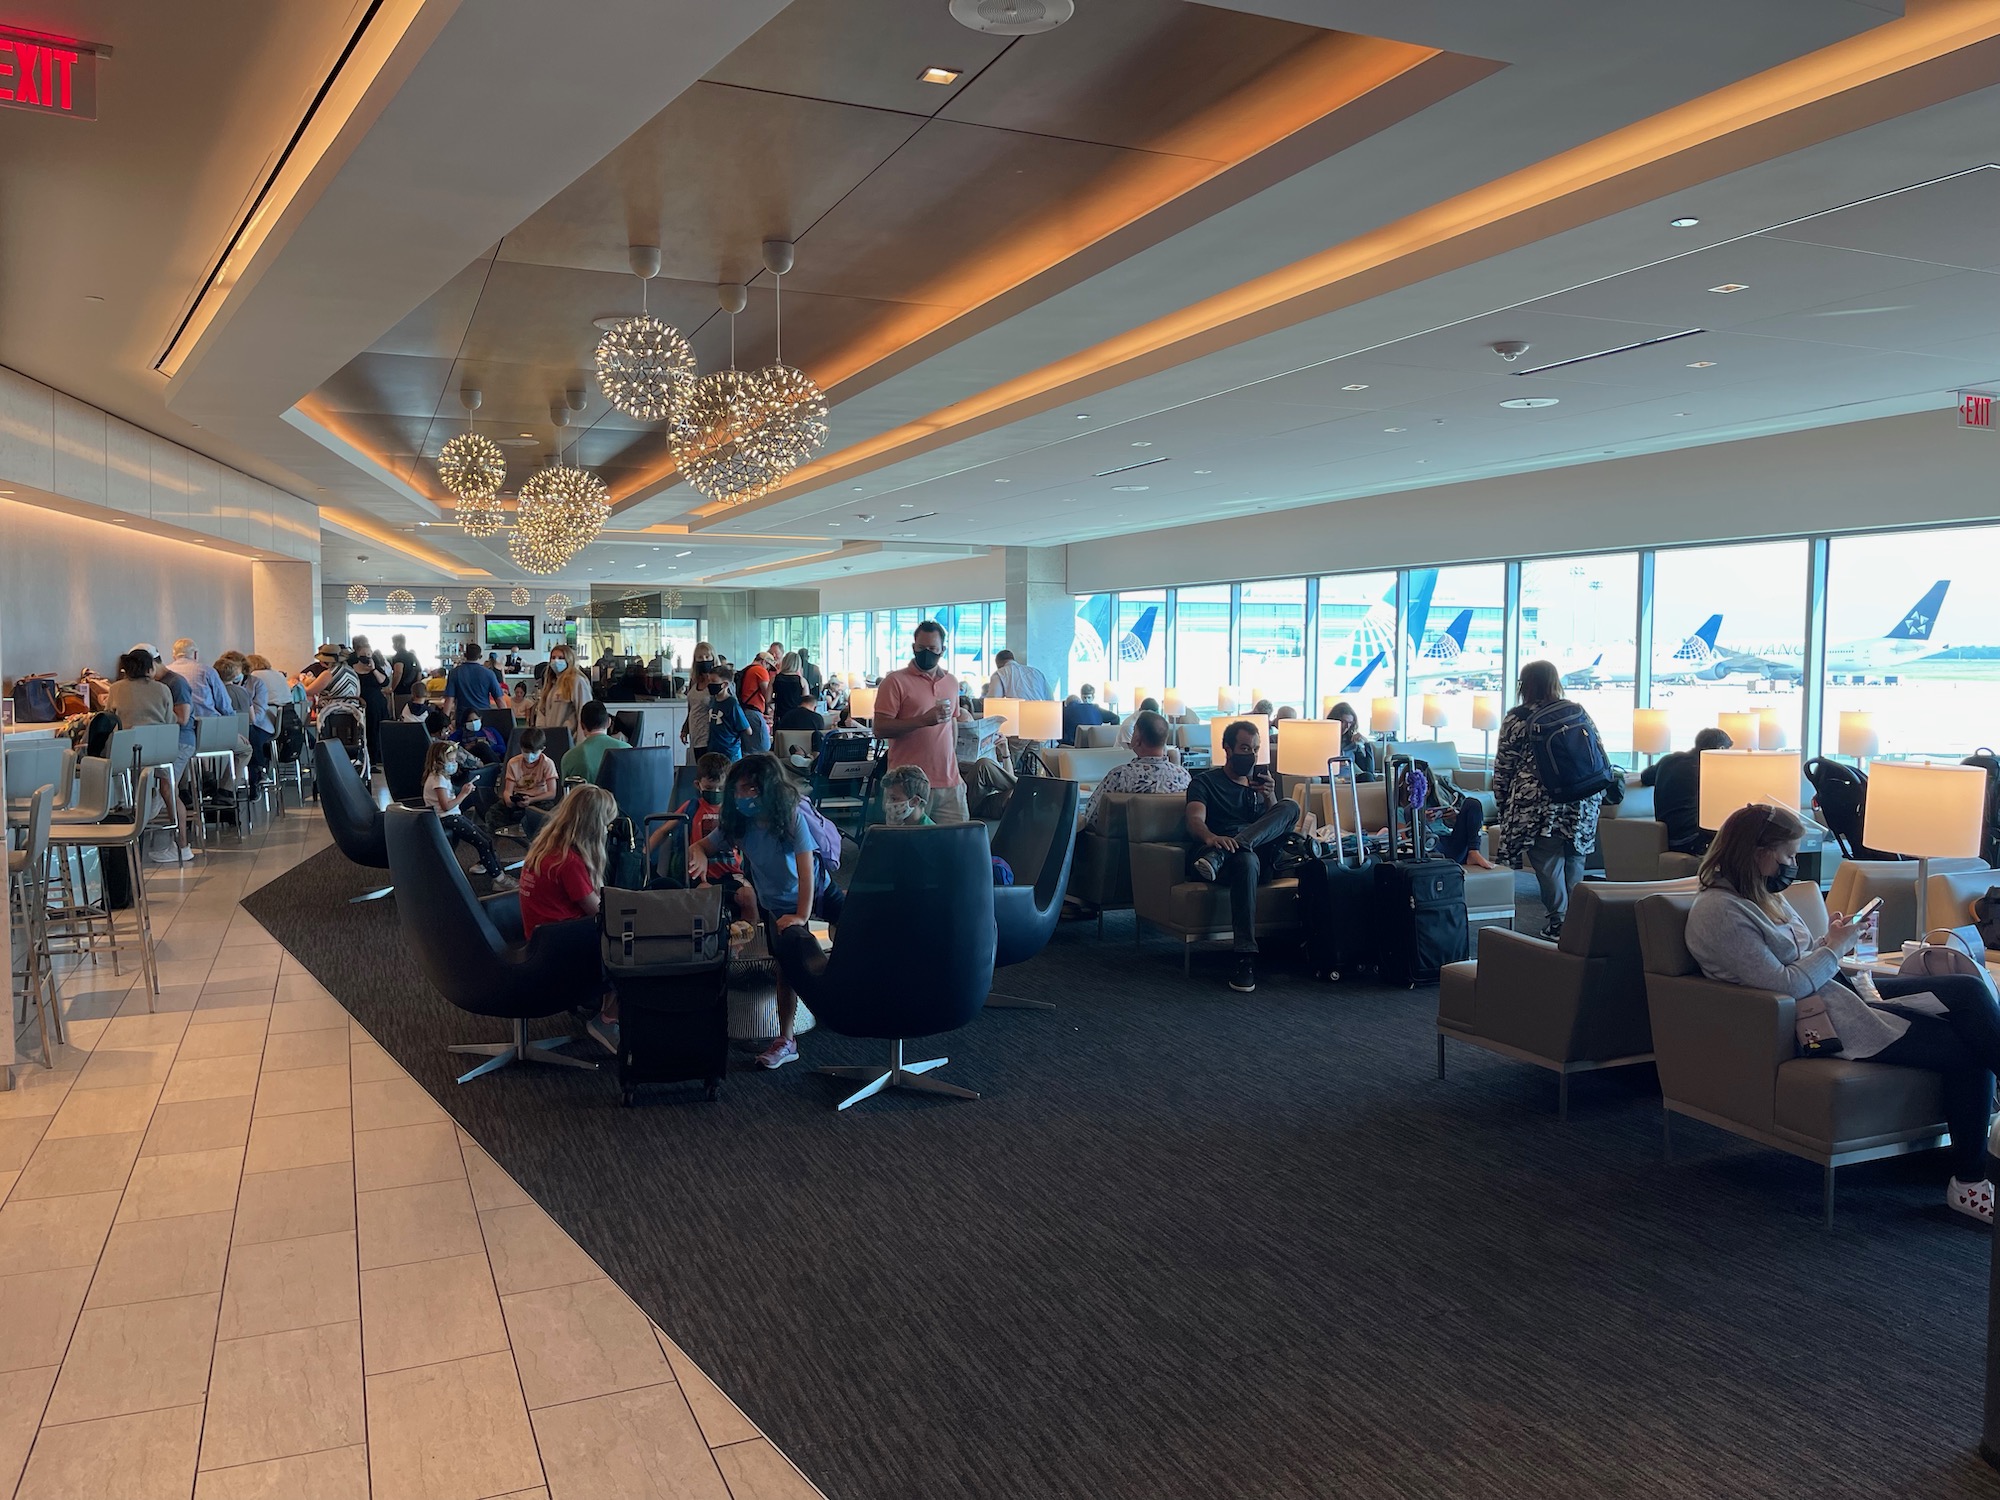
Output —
(1012, 17)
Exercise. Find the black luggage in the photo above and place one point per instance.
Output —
(1337, 892)
(666, 954)
(1420, 920)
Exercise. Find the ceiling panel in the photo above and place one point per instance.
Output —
(865, 52)
(406, 383)
(1911, 317)
(1954, 222)
(541, 315)
(816, 327)
(437, 328)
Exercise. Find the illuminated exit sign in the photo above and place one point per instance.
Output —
(1976, 410)
(47, 74)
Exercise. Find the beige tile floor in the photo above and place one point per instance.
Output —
(246, 1255)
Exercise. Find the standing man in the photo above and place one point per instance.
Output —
(471, 686)
(1014, 678)
(405, 672)
(916, 711)
(1236, 818)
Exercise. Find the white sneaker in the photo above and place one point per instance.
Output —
(1973, 1199)
(167, 856)
(187, 853)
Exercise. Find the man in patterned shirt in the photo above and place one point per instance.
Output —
(1149, 771)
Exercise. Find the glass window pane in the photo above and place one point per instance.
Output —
(1141, 665)
(1913, 638)
(1357, 639)
(1455, 646)
(1201, 643)
(1087, 645)
(1729, 634)
(967, 652)
(1581, 613)
(1271, 650)
(996, 628)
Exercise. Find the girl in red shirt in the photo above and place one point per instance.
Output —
(562, 877)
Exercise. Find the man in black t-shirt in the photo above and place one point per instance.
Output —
(405, 672)
(1236, 818)
(1676, 784)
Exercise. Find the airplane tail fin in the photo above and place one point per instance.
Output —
(1458, 629)
(1423, 582)
(1710, 629)
(1142, 632)
(1921, 618)
(1361, 678)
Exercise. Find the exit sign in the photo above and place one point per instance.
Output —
(1975, 410)
(47, 74)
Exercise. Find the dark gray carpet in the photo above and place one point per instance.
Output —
(1198, 1245)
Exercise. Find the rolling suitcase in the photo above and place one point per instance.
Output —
(1420, 919)
(1337, 895)
(666, 953)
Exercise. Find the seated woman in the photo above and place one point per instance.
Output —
(762, 817)
(1743, 931)
(562, 880)
(1356, 746)
(440, 762)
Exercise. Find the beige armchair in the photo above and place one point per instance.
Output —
(1442, 755)
(1952, 895)
(1096, 736)
(1858, 881)
(1635, 849)
(1192, 910)
(1100, 874)
(1726, 1056)
(1087, 767)
(1573, 1005)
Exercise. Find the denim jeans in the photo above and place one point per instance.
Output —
(1557, 867)
(1963, 1045)
(1463, 836)
(1242, 871)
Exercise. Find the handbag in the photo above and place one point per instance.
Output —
(1962, 951)
(1812, 1028)
(662, 932)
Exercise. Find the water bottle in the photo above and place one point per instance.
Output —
(1867, 947)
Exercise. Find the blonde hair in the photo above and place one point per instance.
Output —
(579, 825)
(1731, 861)
(258, 663)
(435, 757)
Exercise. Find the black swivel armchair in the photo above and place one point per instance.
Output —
(404, 746)
(351, 814)
(472, 953)
(925, 895)
(642, 779)
(1037, 838)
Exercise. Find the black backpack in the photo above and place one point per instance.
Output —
(1569, 758)
(291, 733)
(1989, 841)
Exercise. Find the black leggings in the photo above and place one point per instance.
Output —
(462, 830)
(1963, 1045)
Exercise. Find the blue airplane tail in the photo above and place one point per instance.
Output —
(1361, 678)
(1710, 629)
(1921, 618)
(1137, 641)
(1455, 632)
(1423, 582)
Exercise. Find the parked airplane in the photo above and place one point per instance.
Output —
(1367, 650)
(1911, 638)
(1447, 659)
(1093, 628)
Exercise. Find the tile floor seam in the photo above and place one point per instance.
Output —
(513, 1360)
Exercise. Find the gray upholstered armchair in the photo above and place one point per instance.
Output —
(1573, 1005)
(1164, 897)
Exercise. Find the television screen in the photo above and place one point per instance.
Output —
(510, 632)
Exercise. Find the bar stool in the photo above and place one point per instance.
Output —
(144, 754)
(110, 840)
(71, 911)
(33, 763)
(28, 912)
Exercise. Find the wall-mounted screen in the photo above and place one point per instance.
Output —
(510, 632)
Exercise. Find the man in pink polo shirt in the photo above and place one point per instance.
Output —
(916, 711)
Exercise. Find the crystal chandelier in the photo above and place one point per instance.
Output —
(644, 367)
(357, 593)
(473, 468)
(402, 602)
(479, 518)
(555, 607)
(561, 512)
(795, 426)
(673, 598)
(480, 601)
(729, 463)
(440, 606)
(520, 596)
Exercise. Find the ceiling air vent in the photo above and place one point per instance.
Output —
(1012, 17)
(1584, 359)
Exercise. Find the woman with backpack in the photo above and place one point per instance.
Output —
(1549, 752)
(764, 817)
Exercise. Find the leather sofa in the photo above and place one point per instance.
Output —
(1573, 1005)
(1164, 897)
(1858, 881)
(1727, 1056)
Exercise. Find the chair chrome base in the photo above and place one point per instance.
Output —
(520, 1049)
(370, 895)
(897, 1075)
(998, 1001)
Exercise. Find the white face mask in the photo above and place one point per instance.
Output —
(905, 811)
(533, 756)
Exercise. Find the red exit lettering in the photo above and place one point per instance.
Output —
(49, 75)
(1975, 409)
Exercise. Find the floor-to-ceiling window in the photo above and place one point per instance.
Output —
(968, 645)
(1201, 643)
(1356, 639)
(1456, 643)
(1139, 663)
(1729, 635)
(1088, 645)
(1582, 614)
(1271, 643)
(1913, 640)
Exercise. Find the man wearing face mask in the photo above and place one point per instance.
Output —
(916, 711)
(1236, 818)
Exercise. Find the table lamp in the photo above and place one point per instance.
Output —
(1741, 729)
(1736, 778)
(1383, 716)
(1770, 730)
(1107, 694)
(1486, 718)
(1228, 698)
(1140, 693)
(1651, 734)
(861, 703)
(1858, 737)
(1307, 745)
(1326, 702)
(1008, 712)
(1435, 716)
(1222, 721)
(1930, 811)
(1173, 705)
(1040, 720)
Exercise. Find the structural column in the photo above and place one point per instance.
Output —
(1041, 615)
(285, 612)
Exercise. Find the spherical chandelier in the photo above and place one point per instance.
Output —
(402, 602)
(357, 593)
(644, 367)
(561, 512)
(472, 467)
(520, 596)
(556, 607)
(480, 601)
(673, 600)
(795, 426)
(729, 463)
(479, 517)
(440, 606)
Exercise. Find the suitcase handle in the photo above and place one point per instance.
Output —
(1333, 804)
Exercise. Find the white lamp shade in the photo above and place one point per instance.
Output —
(1858, 737)
(1222, 721)
(1650, 732)
(1039, 719)
(1140, 693)
(1736, 778)
(1307, 745)
(1228, 698)
(1486, 712)
(1326, 702)
(1741, 729)
(1384, 717)
(1107, 694)
(1770, 730)
(1930, 811)
(1173, 705)
(1435, 714)
(861, 703)
(1008, 711)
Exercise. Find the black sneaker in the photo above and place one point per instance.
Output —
(1552, 929)
(1244, 980)
(1205, 869)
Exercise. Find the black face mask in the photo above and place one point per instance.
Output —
(715, 690)
(1242, 762)
(1783, 878)
(926, 660)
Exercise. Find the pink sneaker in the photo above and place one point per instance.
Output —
(780, 1052)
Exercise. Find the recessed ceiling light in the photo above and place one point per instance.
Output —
(1204, 471)
(1069, 500)
(939, 75)
(1083, 416)
(1395, 429)
(1130, 489)
(1531, 403)
(119, 522)
(1731, 286)
(908, 505)
(656, 549)
(1683, 413)
(1003, 481)
(638, 565)
(832, 523)
(688, 553)
(1142, 445)
(1682, 223)
(1702, 364)
(524, 434)
(1354, 388)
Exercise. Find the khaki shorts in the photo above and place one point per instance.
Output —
(948, 804)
